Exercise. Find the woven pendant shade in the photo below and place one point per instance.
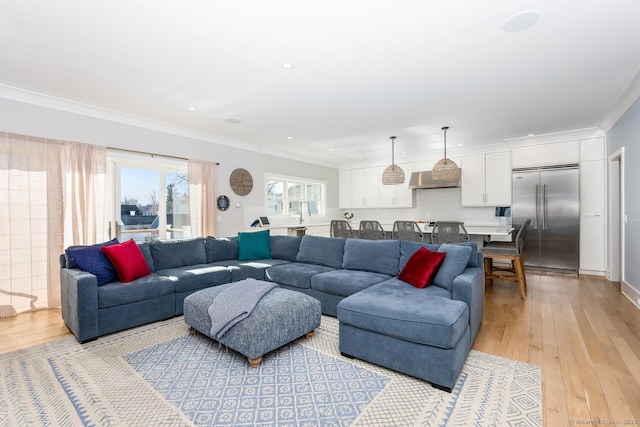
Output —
(445, 169)
(393, 174)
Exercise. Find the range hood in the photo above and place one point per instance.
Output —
(425, 181)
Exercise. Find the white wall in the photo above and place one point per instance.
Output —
(29, 119)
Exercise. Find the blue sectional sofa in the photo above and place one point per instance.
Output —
(426, 332)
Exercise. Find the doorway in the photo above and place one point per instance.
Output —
(616, 217)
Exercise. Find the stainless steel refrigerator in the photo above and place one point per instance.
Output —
(550, 197)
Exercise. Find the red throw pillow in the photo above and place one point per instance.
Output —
(128, 260)
(422, 267)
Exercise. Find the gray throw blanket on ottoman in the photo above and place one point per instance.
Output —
(235, 304)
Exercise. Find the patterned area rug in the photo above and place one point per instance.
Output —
(160, 375)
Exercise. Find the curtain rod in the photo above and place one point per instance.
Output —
(151, 154)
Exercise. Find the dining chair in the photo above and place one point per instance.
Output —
(407, 230)
(449, 232)
(341, 228)
(510, 252)
(372, 230)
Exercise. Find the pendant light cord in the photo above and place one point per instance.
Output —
(444, 128)
(393, 150)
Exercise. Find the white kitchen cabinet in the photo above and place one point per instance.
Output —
(592, 224)
(395, 196)
(592, 149)
(363, 188)
(556, 153)
(486, 179)
(358, 189)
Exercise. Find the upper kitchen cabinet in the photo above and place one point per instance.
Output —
(486, 179)
(395, 196)
(557, 153)
(358, 188)
(363, 188)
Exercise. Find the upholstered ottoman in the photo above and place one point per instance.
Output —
(280, 317)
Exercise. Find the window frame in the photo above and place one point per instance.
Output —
(118, 159)
(287, 211)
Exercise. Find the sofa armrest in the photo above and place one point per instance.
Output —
(469, 288)
(79, 295)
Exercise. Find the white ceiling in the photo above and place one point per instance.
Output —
(363, 69)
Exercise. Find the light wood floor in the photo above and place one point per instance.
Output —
(580, 330)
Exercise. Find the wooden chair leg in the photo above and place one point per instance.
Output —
(521, 277)
(488, 270)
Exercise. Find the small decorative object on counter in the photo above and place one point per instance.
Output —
(348, 216)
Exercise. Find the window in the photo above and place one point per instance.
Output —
(150, 197)
(288, 196)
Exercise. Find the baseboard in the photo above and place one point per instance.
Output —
(630, 293)
(592, 272)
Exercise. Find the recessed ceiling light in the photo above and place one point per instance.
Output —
(289, 137)
(287, 65)
(531, 134)
(234, 121)
(522, 21)
(330, 149)
(191, 108)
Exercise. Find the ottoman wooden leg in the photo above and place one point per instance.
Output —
(255, 362)
(309, 334)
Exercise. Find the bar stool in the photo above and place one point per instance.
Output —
(407, 230)
(449, 232)
(341, 228)
(508, 251)
(372, 230)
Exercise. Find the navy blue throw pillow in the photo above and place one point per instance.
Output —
(92, 260)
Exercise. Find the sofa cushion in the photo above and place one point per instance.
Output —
(320, 250)
(422, 267)
(178, 253)
(285, 247)
(372, 255)
(399, 310)
(254, 269)
(92, 260)
(128, 260)
(221, 248)
(475, 260)
(453, 265)
(145, 248)
(345, 282)
(254, 245)
(142, 289)
(407, 249)
(196, 276)
(295, 274)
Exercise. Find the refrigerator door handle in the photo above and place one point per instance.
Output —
(544, 206)
(535, 219)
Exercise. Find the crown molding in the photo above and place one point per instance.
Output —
(48, 101)
(629, 95)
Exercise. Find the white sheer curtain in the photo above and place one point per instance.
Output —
(41, 186)
(202, 195)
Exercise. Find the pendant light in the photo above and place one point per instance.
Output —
(393, 174)
(445, 169)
